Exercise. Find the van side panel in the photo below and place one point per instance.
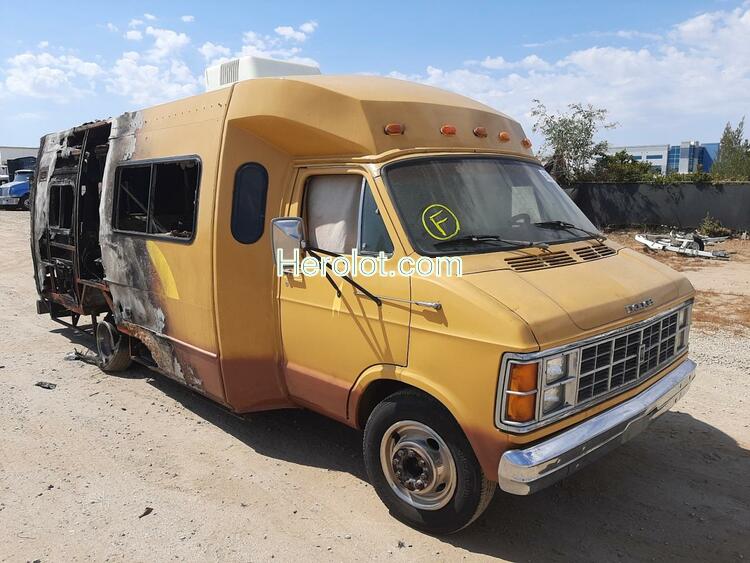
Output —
(161, 287)
(245, 281)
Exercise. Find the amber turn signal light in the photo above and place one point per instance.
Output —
(480, 132)
(503, 137)
(448, 130)
(394, 129)
(522, 391)
(526, 143)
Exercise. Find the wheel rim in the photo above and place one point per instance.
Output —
(27, 204)
(105, 341)
(418, 465)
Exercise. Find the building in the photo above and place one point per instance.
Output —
(688, 156)
(7, 153)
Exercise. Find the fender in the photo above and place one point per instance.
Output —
(487, 442)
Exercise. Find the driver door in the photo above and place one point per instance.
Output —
(329, 340)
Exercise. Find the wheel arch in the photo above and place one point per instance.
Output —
(378, 382)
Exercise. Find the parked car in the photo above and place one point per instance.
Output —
(16, 193)
(553, 347)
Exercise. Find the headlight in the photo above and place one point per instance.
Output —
(554, 369)
(553, 398)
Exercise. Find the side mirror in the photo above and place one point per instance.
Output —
(287, 233)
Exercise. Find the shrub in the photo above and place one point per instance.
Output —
(712, 227)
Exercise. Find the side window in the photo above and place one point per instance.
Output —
(331, 208)
(174, 194)
(61, 206)
(133, 187)
(341, 215)
(159, 198)
(249, 202)
(373, 236)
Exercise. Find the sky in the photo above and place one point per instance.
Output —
(667, 71)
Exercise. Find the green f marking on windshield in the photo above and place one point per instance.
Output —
(440, 222)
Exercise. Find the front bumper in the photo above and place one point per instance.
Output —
(7, 200)
(522, 472)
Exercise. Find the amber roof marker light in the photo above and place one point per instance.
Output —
(394, 129)
(503, 136)
(448, 130)
(526, 143)
(480, 132)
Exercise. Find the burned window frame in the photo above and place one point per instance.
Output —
(152, 163)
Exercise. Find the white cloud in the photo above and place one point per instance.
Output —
(308, 27)
(212, 51)
(280, 46)
(133, 35)
(692, 80)
(135, 23)
(112, 27)
(47, 76)
(166, 42)
(43, 45)
(188, 19)
(149, 17)
(288, 32)
(144, 83)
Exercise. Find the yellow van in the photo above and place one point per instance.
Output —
(553, 346)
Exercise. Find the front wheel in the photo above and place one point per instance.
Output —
(422, 466)
(24, 203)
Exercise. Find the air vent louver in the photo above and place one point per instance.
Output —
(540, 261)
(593, 252)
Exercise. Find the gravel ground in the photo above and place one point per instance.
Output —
(81, 464)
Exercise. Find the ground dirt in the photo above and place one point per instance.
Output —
(137, 468)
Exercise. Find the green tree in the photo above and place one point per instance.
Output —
(733, 161)
(569, 138)
(621, 167)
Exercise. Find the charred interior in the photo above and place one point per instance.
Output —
(69, 251)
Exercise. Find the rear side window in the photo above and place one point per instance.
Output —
(249, 202)
(61, 206)
(158, 198)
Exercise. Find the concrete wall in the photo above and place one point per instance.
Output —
(677, 205)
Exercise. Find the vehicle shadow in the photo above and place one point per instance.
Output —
(678, 491)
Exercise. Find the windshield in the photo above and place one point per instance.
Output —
(478, 200)
(22, 176)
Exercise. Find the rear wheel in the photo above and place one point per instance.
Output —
(112, 346)
(422, 466)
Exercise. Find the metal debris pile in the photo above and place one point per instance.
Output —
(689, 244)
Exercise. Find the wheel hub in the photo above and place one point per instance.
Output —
(412, 469)
(418, 465)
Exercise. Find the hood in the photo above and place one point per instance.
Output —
(560, 302)
(8, 187)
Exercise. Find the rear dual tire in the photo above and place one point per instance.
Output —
(113, 347)
(422, 466)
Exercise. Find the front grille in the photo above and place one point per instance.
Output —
(617, 362)
(594, 252)
(540, 261)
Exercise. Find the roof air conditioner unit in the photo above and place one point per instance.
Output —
(228, 73)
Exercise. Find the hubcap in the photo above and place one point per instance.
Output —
(418, 465)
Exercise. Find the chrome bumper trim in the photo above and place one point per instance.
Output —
(522, 472)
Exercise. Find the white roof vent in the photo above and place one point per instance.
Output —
(243, 68)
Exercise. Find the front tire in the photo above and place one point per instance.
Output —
(113, 347)
(24, 204)
(422, 466)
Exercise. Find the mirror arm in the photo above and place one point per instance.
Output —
(314, 253)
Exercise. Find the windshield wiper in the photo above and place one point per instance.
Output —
(475, 239)
(565, 226)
